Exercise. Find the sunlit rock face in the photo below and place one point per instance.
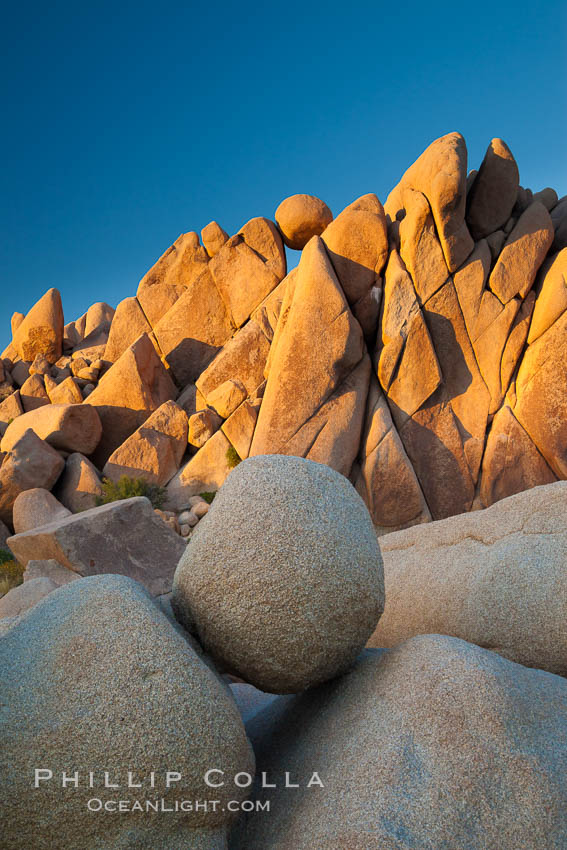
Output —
(417, 348)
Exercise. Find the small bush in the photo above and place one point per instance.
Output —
(11, 572)
(127, 488)
(232, 457)
(208, 497)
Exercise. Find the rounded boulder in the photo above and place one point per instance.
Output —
(97, 682)
(300, 217)
(66, 427)
(283, 578)
(36, 507)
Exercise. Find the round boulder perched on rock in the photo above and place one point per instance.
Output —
(300, 217)
(283, 579)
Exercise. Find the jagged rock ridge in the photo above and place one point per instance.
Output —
(417, 348)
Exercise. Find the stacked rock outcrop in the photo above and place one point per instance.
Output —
(417, 349)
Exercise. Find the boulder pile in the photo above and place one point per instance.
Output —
(312, 518)
(416, 349)
(262, 697)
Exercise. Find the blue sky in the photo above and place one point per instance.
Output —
(128, 123)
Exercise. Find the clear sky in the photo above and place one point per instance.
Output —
(127, 123)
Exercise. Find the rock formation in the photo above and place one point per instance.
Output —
(139, 699)
(433, 744)
(417, 348)
(279, 610)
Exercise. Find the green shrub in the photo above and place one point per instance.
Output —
(232, 457)
(11, 572)
(127, 488)
(208, 497)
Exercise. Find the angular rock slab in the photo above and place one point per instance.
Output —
(171, 275)
(49, 569)
(511, 462)
(135, 386)
(31, 462)
(67, 392)
(243, 357)
(20, 599)
(79, 484)
(433, 744)
(420, 248)
(495, 578)
(33, 393)
(36, 507)
(98, 678)
(153, 452)
(387, 481)
(129, 322)
(206, 472)
(193, 329)
(10, 409)
(332, 435)
(440, 174)
(463, 386)
(124, 537)
(493, 193)
(541, 395)
(239, 428)
(551, 301)
(523, 253)
(316, 327)
(242, 277)
(407, 369)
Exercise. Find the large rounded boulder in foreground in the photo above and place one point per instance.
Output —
(300, 217)
(96, 679)
(283, 579)
(433, 745)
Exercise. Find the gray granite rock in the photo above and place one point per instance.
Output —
(96, 679)
(49, 569)
(496, 578)
(282, 579)
(124, 537)
(36, 507)
(433, 744)
(25, 596)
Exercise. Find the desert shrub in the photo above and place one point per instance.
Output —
(127, 488)
(232, 457)
(11, 572)
(208, 497)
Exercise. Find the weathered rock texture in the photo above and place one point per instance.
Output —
(433, 744)
(418, 347)
(36, 507)
(292, 608)
(495, 578)
(112, 686)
